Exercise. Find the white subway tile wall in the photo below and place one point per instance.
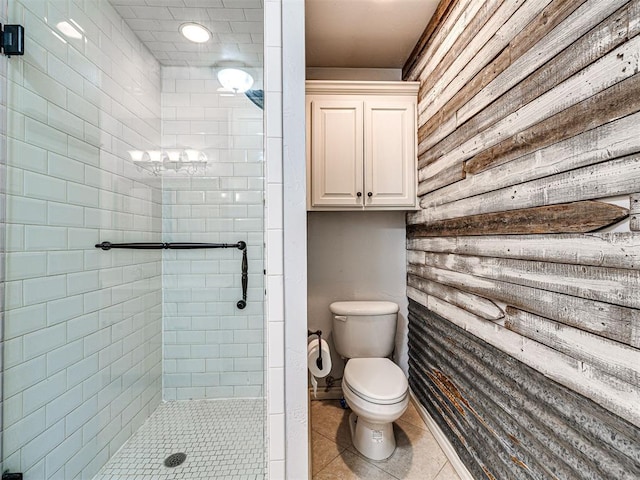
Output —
(212, 349)
(82, 326)
(275, 341)
(275, 378)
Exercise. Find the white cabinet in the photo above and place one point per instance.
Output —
(361, 145)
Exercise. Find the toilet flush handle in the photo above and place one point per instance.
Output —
(341, 318)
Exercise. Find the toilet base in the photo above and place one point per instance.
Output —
(373, 440)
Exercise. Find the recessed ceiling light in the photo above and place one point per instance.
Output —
(195, 32)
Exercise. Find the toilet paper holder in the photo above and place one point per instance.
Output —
(319, 334)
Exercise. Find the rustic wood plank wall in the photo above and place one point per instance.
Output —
(528, 236)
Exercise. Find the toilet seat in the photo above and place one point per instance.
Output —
(376, 380)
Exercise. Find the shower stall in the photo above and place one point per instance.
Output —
(131, 362)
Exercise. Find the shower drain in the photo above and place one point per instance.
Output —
(175, 459)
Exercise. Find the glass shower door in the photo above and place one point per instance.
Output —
(108, 140)
(82, 329)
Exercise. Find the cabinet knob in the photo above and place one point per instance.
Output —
(370, 194)
(359, 194)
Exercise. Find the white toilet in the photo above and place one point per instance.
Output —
(375, 388)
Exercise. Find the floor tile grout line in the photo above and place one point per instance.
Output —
(403, 423)
(441, 468)
(330, 439)
(340, 447)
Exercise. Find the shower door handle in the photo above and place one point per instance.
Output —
(245, 279)
(188, 246)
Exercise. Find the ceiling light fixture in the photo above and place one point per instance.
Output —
(234, 79)
(159, 162)
(195, 32)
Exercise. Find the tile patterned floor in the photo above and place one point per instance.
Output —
(417, 457)
(223, 439)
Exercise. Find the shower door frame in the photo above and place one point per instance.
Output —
(294, 423)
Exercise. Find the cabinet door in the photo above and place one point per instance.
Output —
(336, 152)
(389, 152)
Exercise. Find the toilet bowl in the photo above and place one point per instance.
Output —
(377, 392)
(374, 387)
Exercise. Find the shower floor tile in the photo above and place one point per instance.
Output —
(223, 439)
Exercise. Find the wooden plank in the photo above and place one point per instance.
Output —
(442, 45)
(617, 286)
(439, 127)
(583, 19)
(439, 18)
(508, 21)
(577, 217)
(617, 177)
(634, 220)
(415, 256)
(615, 139)
(614, 250)
(611, 321)
(567, 63)
(433, 51)
(416, 295)
(611, 357)
(450, 175)
(470, 302)
(547, 20)
(469, 38)
(614, 67)
(562, 50)
(618, 397)
(615, 102)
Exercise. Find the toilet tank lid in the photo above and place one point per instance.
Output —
(363, 308)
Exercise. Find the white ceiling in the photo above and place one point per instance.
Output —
(339, 33)
(236, 25)
(364, 33)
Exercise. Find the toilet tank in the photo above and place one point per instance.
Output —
(364, 329)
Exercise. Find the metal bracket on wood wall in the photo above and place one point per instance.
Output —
(12, 39)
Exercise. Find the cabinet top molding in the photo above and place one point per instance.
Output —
(350, 87)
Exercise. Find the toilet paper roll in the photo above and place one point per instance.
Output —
(312, 356)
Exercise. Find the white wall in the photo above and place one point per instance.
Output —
(356, 256)
(286, 122)
(82, 326)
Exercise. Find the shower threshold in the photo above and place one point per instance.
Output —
(222, 439)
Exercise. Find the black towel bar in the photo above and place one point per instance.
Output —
(188, 246)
